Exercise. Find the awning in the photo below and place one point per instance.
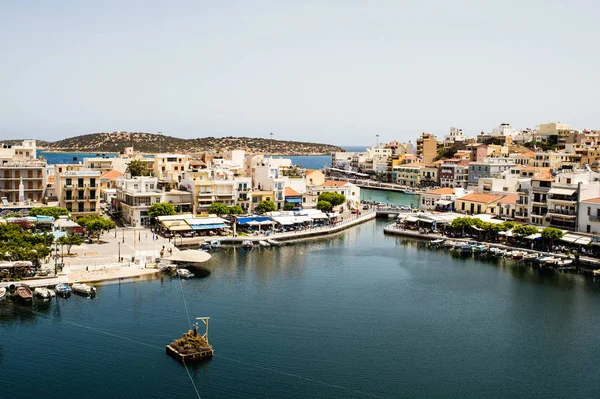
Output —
(571, 238)
(583, 241)
(200, 221)
(443, 202)
(412, 219)
(562, 191)
(534, 236)
(285, 220)
(245, 220)
(294, 200)
(180, 227)
(209, 226)
(302, 219)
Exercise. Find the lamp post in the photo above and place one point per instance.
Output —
(119, 259)
(123, 235)
(62, 253)
(55, 256)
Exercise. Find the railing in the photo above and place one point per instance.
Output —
(562, 212)
(594, 218)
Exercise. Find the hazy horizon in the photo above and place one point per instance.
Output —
(331, 72)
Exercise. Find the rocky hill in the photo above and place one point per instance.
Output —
(152, 143)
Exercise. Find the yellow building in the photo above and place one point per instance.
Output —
(427, 147)
(78, 189)
(259, 196)
(476, 203)
(314, 177)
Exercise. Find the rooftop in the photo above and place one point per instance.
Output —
(509, 199)
(290, 192)
(334, 183)
(111, 174)
(443, 190)
(592, 200)
(481, 197)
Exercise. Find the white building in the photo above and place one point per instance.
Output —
(351, 191)
(589, 216)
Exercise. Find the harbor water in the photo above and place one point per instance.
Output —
(356, 315)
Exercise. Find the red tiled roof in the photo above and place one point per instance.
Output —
(290, 192)
(111, 174)
(334, 183)
(480, 197)
(509, 199)
(592, 200)
(443, 190)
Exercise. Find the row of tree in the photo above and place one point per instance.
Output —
(462, 224)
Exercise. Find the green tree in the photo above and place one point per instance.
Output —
(161, 209)
(17, 243)
(333, 198)
(289, 206)
(236, 210)
(549, 234)
(53, 211)
(218, 208)
(324, 206)
(265, 206)
(523, 230)
(69, 241)
(14, 215)
(96, 224)
(137, 167)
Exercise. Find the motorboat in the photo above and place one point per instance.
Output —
(435, 243)
(63, 290)
(410, 191)
(466, 249)
(517, 254)
(166, 266)
(24, 293)
(44, 293)
(185, 273)
(2, 292)
(479, 249)
(247, 244)
(84, 289)
(565, 262)
(264, 244)
(215, 243)
(530, 257)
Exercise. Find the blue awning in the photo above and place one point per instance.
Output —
(208, 226)
(294, 200)
(254, 218)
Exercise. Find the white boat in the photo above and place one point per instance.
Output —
(264, 244)
(565, 262)
(166, 266)
(44, 293)
(410, 192)
(247, 244)
(215, 243)
(531, 256)
(82, 288)
(185, 273)
(2, 292)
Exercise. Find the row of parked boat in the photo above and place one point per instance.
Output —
(26, 294)
(468, 248)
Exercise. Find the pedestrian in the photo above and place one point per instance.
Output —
(170, 251)
(162, 252)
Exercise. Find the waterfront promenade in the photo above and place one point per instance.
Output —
(589, 264)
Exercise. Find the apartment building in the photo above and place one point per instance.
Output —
(408, 174)
(78, 189)
(490, 167)
(477, 203)
(169, 167)
(135, 195)
(454, 173)
(22, 181)
(589, 216)
(439, 199)
(427, 147)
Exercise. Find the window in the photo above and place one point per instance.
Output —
(589, 211)
(92, 182)
(80, 207)
(80, 182)
(93, 207)
(92, 194)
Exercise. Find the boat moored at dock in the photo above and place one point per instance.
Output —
(84, 289)
(44, 293)
(63, 290)
(24, 293)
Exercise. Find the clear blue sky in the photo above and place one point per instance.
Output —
(327, 71)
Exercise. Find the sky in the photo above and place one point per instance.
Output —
(337, 72)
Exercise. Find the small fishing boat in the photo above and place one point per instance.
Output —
(185, 273)
(2, 292)
(565, 262)
(63, 290)
(44, 293)
(84, 289)
(410, 191)
(479, 249)
(264, 244)
(435, 243)
(466, 249)
(215, 244)
(517, 254)
(24, 293)
(530, 257)
(247, 244)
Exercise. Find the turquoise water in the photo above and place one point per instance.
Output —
(358, 315)
(389, 197)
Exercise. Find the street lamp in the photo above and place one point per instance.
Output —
(55, 256)
(119, 259)
(123, 235)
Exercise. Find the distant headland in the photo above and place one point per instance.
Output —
(154, 143)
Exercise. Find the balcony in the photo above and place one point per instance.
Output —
(594, 218)
(563, 200)
(561, 213)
